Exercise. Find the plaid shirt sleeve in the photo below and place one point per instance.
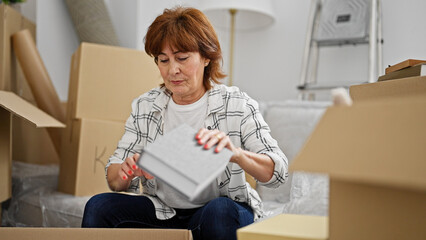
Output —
(256, 137)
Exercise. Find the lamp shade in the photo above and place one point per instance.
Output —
(250, 14)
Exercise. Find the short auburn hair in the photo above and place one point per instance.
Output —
(187, 30)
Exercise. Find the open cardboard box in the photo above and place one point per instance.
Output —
(93, 234)
(287, 227)
(11, 104)
(32, 145)
(374, 152)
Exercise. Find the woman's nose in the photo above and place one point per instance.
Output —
(174, 67)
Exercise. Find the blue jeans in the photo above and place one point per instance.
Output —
(218, 219)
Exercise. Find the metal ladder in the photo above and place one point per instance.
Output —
(337, 23)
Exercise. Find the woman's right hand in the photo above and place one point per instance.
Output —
(119, 176)
(129, 169)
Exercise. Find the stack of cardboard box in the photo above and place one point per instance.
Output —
(103, 82)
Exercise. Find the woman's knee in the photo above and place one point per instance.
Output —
(221, 207)
(95, 210)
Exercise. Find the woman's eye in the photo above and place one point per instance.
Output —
(164, 60)
(182, 58)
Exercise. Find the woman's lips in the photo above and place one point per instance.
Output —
(176, 82)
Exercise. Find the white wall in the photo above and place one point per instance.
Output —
(267, 62)
(56, 41)
(124, 20)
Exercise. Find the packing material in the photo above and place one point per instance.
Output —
(374, 154)
(287, 227)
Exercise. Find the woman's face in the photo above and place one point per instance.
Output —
(182, 73)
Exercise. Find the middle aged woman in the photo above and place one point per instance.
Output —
(187, 52)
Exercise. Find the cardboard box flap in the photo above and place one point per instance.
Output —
(380, 142)
(24, 233)
(22, 108)
(287, 226)
(388, 89)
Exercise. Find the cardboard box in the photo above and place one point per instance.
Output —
(27, 140)
(104, 80)
(388, 89)
(85, 153)
(93, 234)
(11, 22)
(374, 153)
(32, 145)
(404, 64)
(287, 227)
(11, 104)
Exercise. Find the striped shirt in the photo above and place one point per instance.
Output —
(229, 110)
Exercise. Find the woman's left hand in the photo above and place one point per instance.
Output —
(260, 166)
(211, 138)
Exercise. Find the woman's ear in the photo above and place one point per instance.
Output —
(206, 62)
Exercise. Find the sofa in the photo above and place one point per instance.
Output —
(36, 203)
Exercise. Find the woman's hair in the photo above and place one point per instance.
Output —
(187, 30)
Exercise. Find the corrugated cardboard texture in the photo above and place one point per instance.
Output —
(287, 227)
(388, 89)
(85, 154)
(93, 234)
(361, 211)
(380, 142)
(104, 80)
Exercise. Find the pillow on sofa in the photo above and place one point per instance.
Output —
(291, 123)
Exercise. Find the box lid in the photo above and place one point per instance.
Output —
(286, 227)
(16, 105)
(379, 142)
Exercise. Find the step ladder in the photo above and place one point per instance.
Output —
(338, 23)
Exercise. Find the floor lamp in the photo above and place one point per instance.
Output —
(243, 15)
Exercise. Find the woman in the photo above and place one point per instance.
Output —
(187, 52)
